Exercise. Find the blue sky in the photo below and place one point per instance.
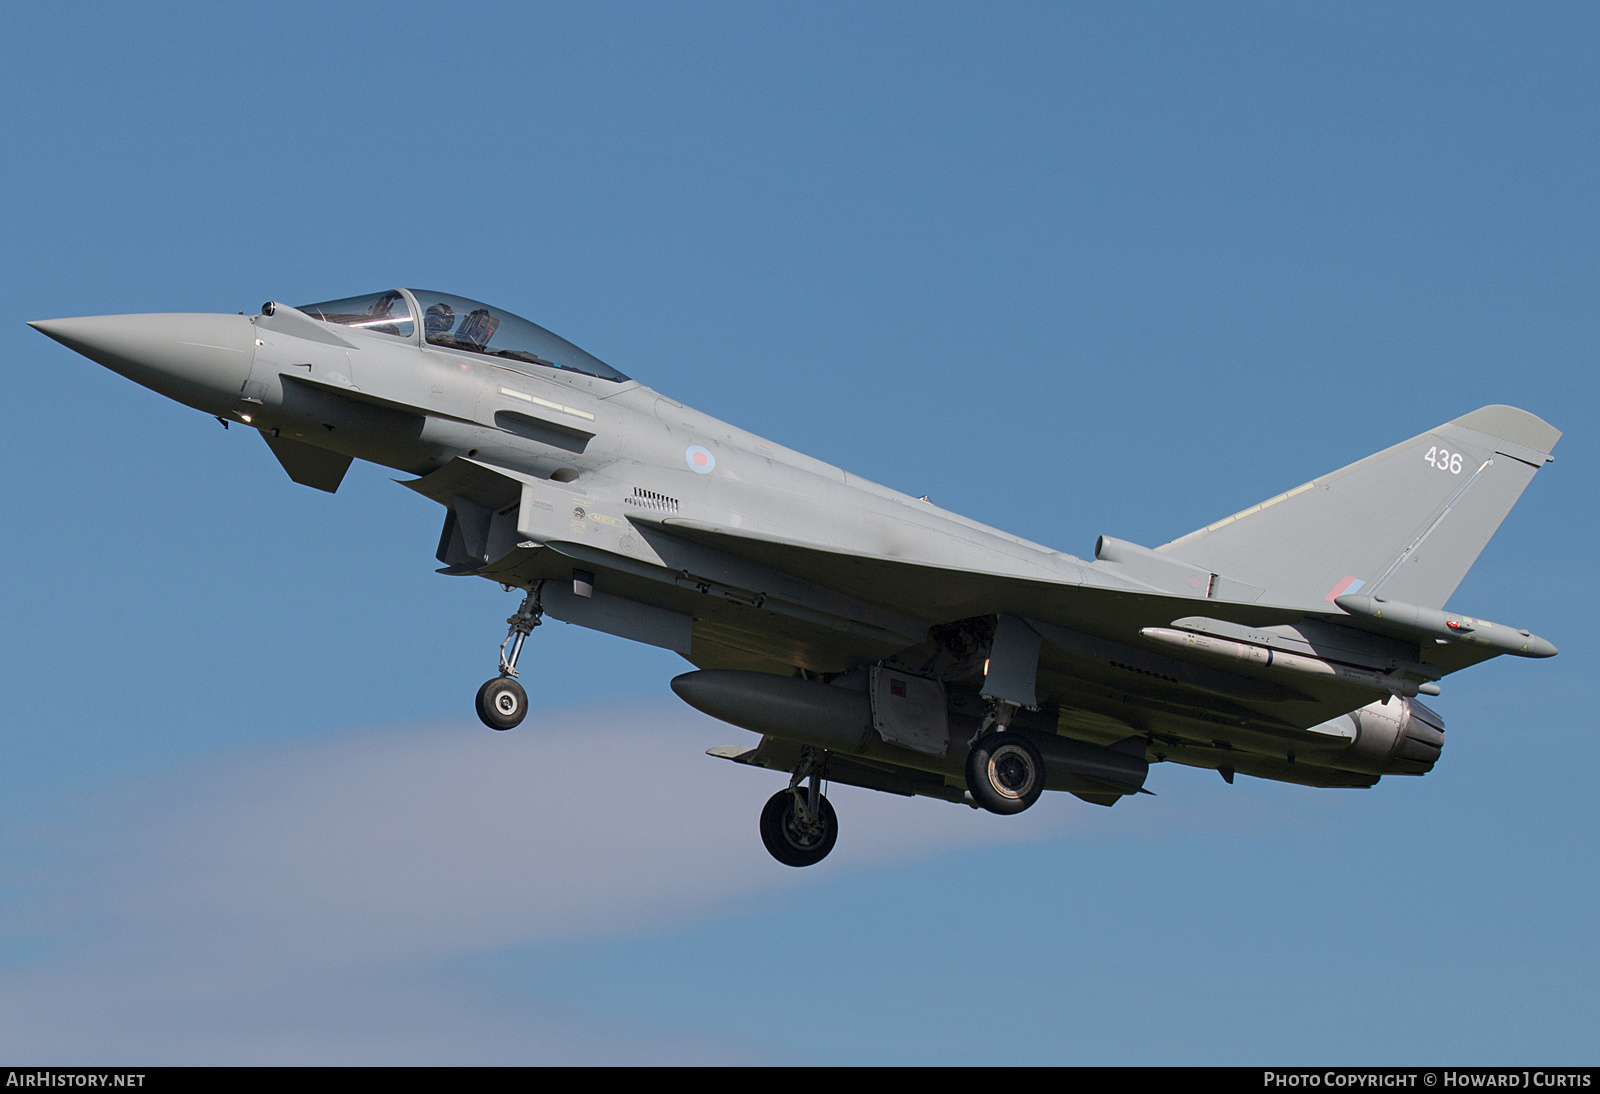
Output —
(1069, 269)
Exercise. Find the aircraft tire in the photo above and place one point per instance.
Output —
(502, 704)
(790, 844)
(1005, 772)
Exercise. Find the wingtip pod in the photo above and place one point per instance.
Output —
(1415, 621)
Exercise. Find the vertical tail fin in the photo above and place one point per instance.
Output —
(1406, 523)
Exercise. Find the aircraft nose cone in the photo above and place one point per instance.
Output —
(198, 359)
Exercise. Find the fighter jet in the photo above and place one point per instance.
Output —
(871, 638)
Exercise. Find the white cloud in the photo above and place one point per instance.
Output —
(303, 903)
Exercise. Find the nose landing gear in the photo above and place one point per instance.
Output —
(502, 703)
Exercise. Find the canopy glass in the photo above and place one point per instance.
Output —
(466, 326)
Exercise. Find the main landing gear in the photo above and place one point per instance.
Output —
(1005, 771)
(798, 825)
(502, 703)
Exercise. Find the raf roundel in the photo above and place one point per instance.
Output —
(699, 460)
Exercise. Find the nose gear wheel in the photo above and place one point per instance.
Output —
(502, 703)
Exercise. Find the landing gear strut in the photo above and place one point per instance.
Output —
(798, 825)
(502, 703)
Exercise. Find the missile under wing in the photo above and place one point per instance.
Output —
(869, 637)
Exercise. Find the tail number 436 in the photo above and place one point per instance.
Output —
(1444, 461)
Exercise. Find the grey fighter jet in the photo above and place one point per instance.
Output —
(868, 637)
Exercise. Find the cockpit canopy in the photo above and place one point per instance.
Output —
(380, 312)
(462, 325)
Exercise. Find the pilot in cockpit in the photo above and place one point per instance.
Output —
(438, 320)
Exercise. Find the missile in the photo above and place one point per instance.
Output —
(1296, 663)
(1418, 622)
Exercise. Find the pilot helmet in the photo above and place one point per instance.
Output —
(439, 319)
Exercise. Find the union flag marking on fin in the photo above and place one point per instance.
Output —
(1348, 585)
